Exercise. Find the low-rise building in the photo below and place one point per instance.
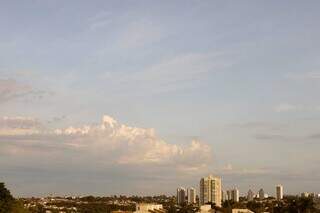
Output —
(241, 211)
(149, 207)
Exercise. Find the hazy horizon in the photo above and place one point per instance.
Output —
(141, 97)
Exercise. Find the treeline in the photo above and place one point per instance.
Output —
(290, 204)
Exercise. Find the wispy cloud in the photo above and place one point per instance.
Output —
(100, 20)
(229, 169)
(139, 33)
(171, 74)
(313, 75)
(285, 107)
(270, 136)
(11, 89)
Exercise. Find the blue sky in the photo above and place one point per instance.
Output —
(234, 82)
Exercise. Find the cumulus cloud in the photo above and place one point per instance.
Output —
(110, 141)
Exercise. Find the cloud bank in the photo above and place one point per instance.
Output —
(107, 146)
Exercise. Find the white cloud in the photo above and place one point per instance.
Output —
(111, 142)
(138, 34)
(170, 74)
(313, 75)
(285, 107)
(100, 20)
(229, 169)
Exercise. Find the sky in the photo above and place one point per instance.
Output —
(141, 97)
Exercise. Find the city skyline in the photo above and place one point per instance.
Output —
(139, 97)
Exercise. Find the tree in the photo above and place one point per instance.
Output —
(8, 203)
(6, 199)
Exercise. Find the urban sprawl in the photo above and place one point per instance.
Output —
(211, 197)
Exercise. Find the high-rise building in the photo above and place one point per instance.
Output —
(305, 194)
(181, 195)
(279, 192)
(261, 194)
(210, 190)
(250, 195)
(235, 195)
(191, 193)
(223, 195)
(228, 195)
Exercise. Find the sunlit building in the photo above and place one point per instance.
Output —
(191, 193)
(181, 195)
(279, 192)
(210, 190)
(235, 195)
(149, 208)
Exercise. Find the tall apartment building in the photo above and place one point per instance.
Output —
(181, 195)
(235, 195)
(228, 195)
(210, 190)
(223, 196)
(261, 194)
(279, 192)
(250, 195)
(191, 193)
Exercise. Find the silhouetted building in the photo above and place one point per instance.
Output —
(261, 194)
(250, 195)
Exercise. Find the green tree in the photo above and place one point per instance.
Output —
(6, 199)
(8, 203)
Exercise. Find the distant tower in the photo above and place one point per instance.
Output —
(210, 190)
(279, 192)
(191, 193)
(235, 195)
(181, 196)
(250, 195)
(223, 195)
(228, 195)
(261, 194)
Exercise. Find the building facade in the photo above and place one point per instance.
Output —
(181, 195)
(279, 192)
(261, 194)
(191, 193)
(250, 195)
(149, 207)
(235, 195)
(210, 190)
